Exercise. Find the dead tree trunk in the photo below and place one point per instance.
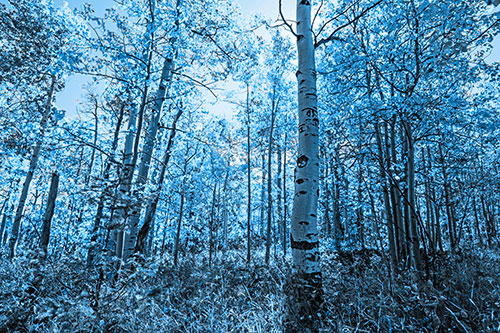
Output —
(49, 212)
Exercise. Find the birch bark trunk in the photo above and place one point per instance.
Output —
(269, 186)
(29, 176)
(249, 184)
(102, 197)
(153, 204)
(124, 187)
(285, 204)
(307, 295)
(279, 187)
(146, 156)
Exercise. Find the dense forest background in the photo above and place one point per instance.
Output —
(156, 207)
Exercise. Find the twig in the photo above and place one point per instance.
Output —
(286, 22)
(456, 318)
(357, 17)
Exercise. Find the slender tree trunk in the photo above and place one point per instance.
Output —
(359, 210)
(336, 199)
(415, 243)
(29, 176)
(307, 297)
(178, 233)
(439, 238)
(387, 203)
(279, 187)
(147, 153)
(263, 196)
(131, 153)
(6, 213)
(327, 225)
(125, 184)
(405, 197)
(435, 205)
(396, 197)
(2, 227)
(428, 203)
(224, 208)
(249, 180)
(153, 204)
(211, 229)
(49, 212)
(3, 224)
(448, 201)
(102, 197)
(94, 143)
(285, 204)
(269, 186)
(487, 219)
(6, 219)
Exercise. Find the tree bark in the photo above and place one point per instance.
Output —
(269, 185)
(249, 180)
(448, 201)
(280, 189)
(385, 191)
(147, 153)
(225, 214)
(6, 212)
(211, 229)
(307, 293)
(285, 203)
(326, 226)
(415, 243)
(29, 176)
(178, 233)
(125, 177)
(153, 203)
(49, 212)
(102, 197)
(263, 196)
(396, 197)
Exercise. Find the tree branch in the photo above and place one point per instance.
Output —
(286, 22)
(357, 17)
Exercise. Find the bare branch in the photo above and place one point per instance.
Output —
(357, 17)
(286, 22)
(317, 12)
(336, 17)
(197, 82)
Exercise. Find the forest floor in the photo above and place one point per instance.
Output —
(462, 295)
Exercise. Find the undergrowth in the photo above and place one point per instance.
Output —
(360, 295)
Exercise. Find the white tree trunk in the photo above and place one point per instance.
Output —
(125, 177)
(304, 236)
(146, 156)
(306, 298)
(147, 152)
(29, 176)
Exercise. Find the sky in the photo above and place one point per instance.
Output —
(69, 97)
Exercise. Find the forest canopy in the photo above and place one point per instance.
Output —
(221, 171)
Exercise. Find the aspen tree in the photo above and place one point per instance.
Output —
(29, 176)
(304, 233)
